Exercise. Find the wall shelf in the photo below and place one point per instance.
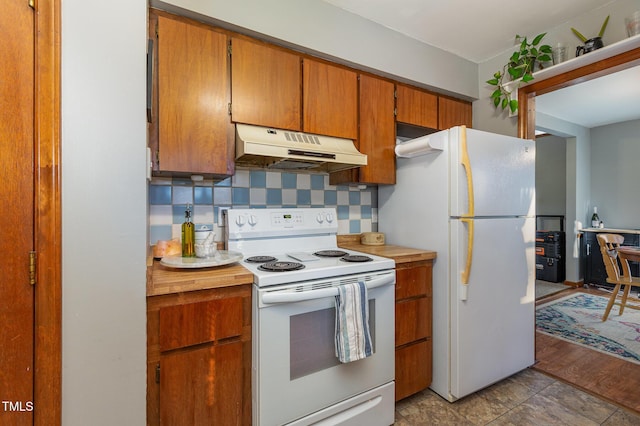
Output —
(601, 54)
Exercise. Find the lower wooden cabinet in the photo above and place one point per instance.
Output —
(199, 357)
(413, 312)
(413, 327)
(411, 374)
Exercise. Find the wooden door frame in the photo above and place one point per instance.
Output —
(527, 94)
(47, 386)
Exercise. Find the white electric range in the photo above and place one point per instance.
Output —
(297, 267)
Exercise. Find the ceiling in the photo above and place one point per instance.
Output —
(447, 24)
(474, 30)
(604, 100)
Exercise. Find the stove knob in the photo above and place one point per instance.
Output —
(329, 217)
(253, 220)
(320, 217)
(240, 220)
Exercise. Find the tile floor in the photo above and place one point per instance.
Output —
(527, 398)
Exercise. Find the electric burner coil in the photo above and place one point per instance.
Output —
(260, 259)
(356, 258)
(330, 253)
(280, 266)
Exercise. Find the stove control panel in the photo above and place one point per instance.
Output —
(258, 223)
(287, 219)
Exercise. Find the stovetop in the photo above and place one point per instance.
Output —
(304, 239)
(308, 267)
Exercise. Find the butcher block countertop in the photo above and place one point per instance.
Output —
(163, 280)
(398, 253)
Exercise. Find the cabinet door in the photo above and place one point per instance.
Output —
(595, 271)
(330, 100)
(193, 98)
(200, 386)
(417, 107)
(413, 368)
(453, 112)
(377, 130)
(265, 85)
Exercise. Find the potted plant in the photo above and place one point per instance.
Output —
(592, 43)
(519, 69)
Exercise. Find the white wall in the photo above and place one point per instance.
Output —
(103, 212)
(615, 157)
(316, 26)
(551, 187)
(578, 184)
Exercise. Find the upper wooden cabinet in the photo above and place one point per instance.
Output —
(270, 88)
(377, 134)
(265, 85)
(416, 107)
(377, 138)
(453, 112)
(192, 132)
(195, 80)
(330, 99)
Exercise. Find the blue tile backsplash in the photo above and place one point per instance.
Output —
(356, 206)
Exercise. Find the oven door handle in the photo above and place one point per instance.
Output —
(276, 297)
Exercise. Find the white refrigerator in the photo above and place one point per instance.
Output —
(470, 196)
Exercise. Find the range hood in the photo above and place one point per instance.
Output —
(284, 149)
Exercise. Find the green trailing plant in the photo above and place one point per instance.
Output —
(600, 34)
(519, 68)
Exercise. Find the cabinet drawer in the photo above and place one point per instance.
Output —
(413, 369)
(413, 320)
(201, 322)
(413, 282)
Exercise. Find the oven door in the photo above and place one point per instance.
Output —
(295, 370)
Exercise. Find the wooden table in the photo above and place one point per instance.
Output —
(629, 253)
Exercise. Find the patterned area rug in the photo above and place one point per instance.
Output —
(544, 288)
(578, 319)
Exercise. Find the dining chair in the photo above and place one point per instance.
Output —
(618, 272)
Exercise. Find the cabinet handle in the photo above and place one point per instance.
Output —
(293, 296)
(588, 249)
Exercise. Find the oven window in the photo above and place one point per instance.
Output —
(312, 340)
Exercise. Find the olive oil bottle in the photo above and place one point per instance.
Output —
(188, 234)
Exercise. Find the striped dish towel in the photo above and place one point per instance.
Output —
(353, 340)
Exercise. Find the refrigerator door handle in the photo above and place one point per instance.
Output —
(466, 164)
(464, 278)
